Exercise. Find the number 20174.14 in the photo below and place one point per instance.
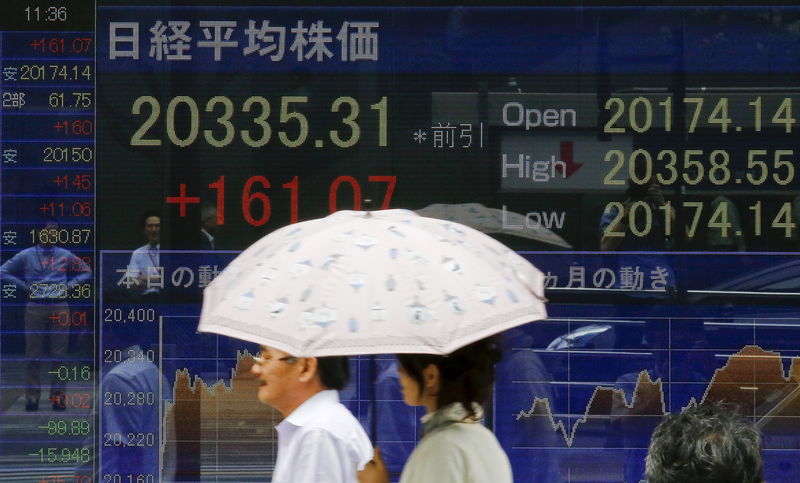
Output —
(642, 215)
(641, 114)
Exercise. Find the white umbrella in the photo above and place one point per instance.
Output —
(370, 283)
(493, 220)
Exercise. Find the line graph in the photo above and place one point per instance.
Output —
(584, 408)
(221, 424)
(576, 396)
(753, 380)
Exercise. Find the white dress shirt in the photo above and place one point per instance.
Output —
(145, 262)
(321, 442)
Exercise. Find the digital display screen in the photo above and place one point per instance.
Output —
(645, 158)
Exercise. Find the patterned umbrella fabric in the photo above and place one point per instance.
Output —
(370, 283)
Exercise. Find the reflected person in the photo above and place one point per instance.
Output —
(208, 228)
(135, 387)
(48, 275)
(626, 231)
(631, 230)
(144, 269)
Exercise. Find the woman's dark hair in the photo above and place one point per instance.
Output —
(466, 375)
(334, 371)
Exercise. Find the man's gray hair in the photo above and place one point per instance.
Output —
(709, 443)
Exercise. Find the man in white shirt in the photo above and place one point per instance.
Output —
(319, 440)
(144, 267)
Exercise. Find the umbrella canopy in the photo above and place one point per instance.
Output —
(370, 283)
(493, 220)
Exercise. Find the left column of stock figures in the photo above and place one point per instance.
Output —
(48, 378)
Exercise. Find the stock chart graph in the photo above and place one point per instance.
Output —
(579, 393)
(643, 157)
